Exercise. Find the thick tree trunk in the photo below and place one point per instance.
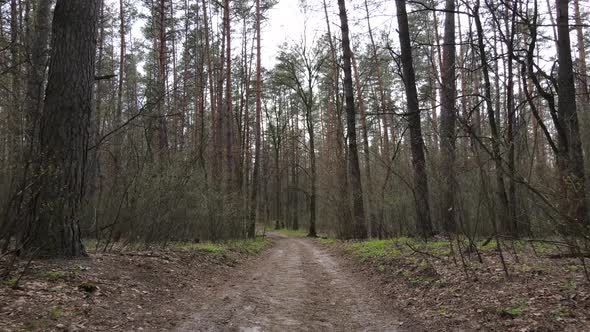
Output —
(359, 229)
(64, 129)
(423, 221)
(570, 159)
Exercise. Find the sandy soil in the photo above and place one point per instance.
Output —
(295, 286)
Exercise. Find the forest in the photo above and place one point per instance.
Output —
(129, 126)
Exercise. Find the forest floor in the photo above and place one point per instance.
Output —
(543, 290)
(122, 290)
(295, 286)
(287, 282)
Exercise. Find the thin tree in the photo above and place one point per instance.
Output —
(359, 229)
(423, 220)
(447, 120)
(256, 172)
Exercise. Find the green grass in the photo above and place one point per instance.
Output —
(516, 311)
(374, 249)
(54, 275)
(10, 281)
(327, 240)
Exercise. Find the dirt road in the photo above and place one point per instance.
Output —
(295, 286)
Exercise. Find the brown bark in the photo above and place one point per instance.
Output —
(570, 159)
(377, 64)
(256, 173)
(63, 143)
(448, 119)
(359, 229)
(423, 221)
(500, 186)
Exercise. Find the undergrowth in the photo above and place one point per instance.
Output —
(230, 247)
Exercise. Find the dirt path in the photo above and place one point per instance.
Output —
(295, 286)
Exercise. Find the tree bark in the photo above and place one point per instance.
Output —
(359, 226)
(64, 137)
(423, 220)
(447, 121)
(256, 172)
(570, 159)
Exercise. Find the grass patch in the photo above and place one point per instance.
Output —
(54, 275)
(37, 325)
(248, 247)
(374, 249)
(10, 281)
(54, 313)
(327, 240)
(88, 287)
(515, 311)
(227, 248)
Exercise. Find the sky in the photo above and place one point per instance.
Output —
(287, 22)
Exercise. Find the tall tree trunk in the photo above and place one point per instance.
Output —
(228, 118)
(372, 224)
(64, 129)
(500, 186)
(119, 111)
(423, 222)
(377, 64)
(312, 158)
(336, 133)
(511, 224)
(448, 119)
(256, 172)
(359, 226)
(570, 159)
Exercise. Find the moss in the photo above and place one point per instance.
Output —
(54, 275)
(515, 311)
(88, 287)
(37, 325)
(10, 281)
(54, 313)
(491, 245)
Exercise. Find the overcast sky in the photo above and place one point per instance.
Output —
(287, 21)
